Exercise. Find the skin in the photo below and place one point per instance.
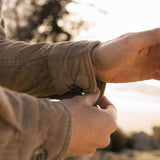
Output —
(92, 125)
(128, 58)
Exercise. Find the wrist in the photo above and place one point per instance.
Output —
(99, 63)
(94, 58)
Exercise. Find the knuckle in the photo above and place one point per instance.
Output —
(114, 126)
(111, 127)
(92, 151)
(105, 143)
(89, 150)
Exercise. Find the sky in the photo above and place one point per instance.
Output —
(111, 18)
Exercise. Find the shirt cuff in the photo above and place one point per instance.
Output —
(60, 134)
(71, 69)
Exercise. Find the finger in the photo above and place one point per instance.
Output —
(91, 99)
(104, 103)
(109, 107)
(145, 38)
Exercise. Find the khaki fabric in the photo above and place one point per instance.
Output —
(45, 69)
(27, 123)
(59, 70)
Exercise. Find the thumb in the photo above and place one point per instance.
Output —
(105, 104)
(91, 99)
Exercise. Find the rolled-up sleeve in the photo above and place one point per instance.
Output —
(28, 123)
(48, 69)
(70, 65)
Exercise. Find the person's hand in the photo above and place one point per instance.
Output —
(131, 57)
(92, 126)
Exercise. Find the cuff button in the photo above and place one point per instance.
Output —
(39, 154)
(76, 89)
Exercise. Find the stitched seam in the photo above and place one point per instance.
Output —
(88, 69)
(68, 136)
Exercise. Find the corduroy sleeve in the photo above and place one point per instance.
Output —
(29, 124)
(45, 69)
(70, 66)
(58, 70)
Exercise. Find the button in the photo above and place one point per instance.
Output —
(39, 154)
(76, 89)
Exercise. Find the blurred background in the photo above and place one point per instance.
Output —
(33, 21)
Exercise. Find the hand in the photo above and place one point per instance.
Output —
(131, 57)
(92, 126)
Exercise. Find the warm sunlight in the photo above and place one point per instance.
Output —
(43, 56)
(109, 19)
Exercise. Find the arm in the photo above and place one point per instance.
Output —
(65, 128)
(58, 70)
(48, 69)
(68, 67)
(131, 57)
(28, 123)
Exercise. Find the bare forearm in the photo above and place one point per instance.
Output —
(128, 58)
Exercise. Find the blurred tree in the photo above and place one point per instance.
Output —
(37, 20)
